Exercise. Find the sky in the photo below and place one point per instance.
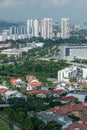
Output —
(21, 10)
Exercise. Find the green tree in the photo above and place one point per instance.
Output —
(74, 118)
(53, 126)
(27, 125)
(85, 99)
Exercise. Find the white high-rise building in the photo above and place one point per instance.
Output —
(47, 28)
(36, 27)
(30, 28)
(65, 28)
(33, 28)
(40, 28)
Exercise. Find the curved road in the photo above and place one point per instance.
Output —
(77, 64)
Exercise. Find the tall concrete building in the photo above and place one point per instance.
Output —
(47, 28)
(36, 27)
(65, 28)
(13, 30)
(30, 28)
(21, 30)
(33, 28)
(18, 30)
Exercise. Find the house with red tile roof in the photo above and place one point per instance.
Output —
(40, 93)
(57, 93)
(14, 80)
(73, 83)
(74, 86)
(84, 85)
(67, 99)
(17, 82)
(78, 125)
(34, 84)
(3, 89)
(79, 110)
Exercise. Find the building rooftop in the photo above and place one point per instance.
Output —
(59, 91)
(66, 109)
(68, 98)
(34, 83)
(38, 91)
(15, 80)
(80, 125)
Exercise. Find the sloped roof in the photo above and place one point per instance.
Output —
(79, 125)
(35, 92)
(59, 91)
(34, 83)
(15, 80)
(68, 108)
(68, 98)
(3, 90)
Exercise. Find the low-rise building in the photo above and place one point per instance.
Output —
(13, 94)
(3, 89)
(12, 52)
(50, 116)
(34, 84)
(72, 52)
(68, 99)
(78, 125)
(79, 110)
(40, 93)
(57, 93)
(67, 73)
(72, 72)
(17, 82)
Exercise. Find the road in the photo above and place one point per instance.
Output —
(15, 127)
(77, 64)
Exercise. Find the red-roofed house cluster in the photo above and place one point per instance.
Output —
(79, 110)
(79, 125)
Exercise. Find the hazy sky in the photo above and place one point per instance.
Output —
(21, 10)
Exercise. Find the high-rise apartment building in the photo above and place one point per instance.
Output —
(21, 30)
(18, 30)
(65, 28)
(13, 30)
(33, 28)
(47, 28)
(40, 28)
(30, 28)
(36, 27)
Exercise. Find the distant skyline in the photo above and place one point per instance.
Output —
(21, 10)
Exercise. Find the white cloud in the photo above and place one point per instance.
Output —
(50, 2)
(59, 2)
(10, 3)
(81, 3)
(55, 3)
(45, 3)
